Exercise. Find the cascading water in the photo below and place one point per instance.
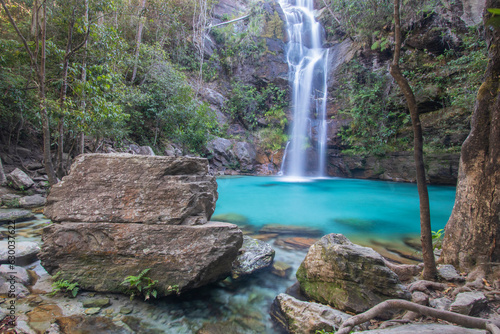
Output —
(307, 63)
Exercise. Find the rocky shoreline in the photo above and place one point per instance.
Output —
(97, 246)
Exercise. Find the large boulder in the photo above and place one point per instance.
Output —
(18, 179)
(246, 155)
(99, 256)
(347, 276)
(124, 188)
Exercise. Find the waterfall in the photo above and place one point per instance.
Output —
(307, 63)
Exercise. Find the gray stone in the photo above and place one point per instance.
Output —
(246, 155)
(32, 201)
(18, 179)
(92, 310)
(11, 288)
(25, 252)
(99, 302)
(10, 200)
(449, 273)
(347, 276)
(21, 275)
(221, 149)
(101, 255)
(443, 303)
(124, 188)
(424, 329)
(253, 255)
(15, 215)
(299, 317)
(141, 150)
(420, 298)
(469, 303)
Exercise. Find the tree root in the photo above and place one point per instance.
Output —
(398, 304)
(424, 286)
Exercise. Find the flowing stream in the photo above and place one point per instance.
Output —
(307, 63)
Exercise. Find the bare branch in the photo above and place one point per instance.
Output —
(227, 22)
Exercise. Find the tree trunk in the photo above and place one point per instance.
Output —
(472, 235)
(430, 271)
(138, 40)
(3, 179)
(83, 104)
(47, 157)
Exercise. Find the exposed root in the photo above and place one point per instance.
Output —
(424, 286)
(405, 272)
(393, 305)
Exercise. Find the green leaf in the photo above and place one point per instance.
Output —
(495, 11)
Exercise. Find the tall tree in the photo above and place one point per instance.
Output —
(472, 235)
(138, 39)
(430, 271)
(38, 59)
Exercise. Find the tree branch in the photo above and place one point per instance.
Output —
(11, 19)
(398, 304)
(227, 22)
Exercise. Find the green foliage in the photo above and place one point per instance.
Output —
(140, 285)
(374, 119)
(437, 238)
(248, 104)
(64, 286)
(164, 108)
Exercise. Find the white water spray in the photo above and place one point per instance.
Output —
(307, 63)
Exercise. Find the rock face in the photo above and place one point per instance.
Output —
(347, 276)
(99, 256)
(442, 169)
(125, 188)
(117, 215)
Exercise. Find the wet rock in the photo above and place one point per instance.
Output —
(220, 328)
(10, 200)
(9, 287)
(16, 215)
(99, 302)
(26, 252)
(443, 303)
(32, 201)
(281, 269)
(298, 243)
(123, 188)
(347, 276)
(291, 230)
(41, 317)
(449, 273)
(102, 255)
(19, 180)
(92, 310)
(21, 275)
(78, 324)
(233, 218)
(126, 310)
(469, 303)
(424, 329)
(300, 317)
(253, 255)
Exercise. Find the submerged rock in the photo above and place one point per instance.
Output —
(82, 324)
(124, 188)
(99, 256)
(253, 255)
(347, 276)
(301, 231)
